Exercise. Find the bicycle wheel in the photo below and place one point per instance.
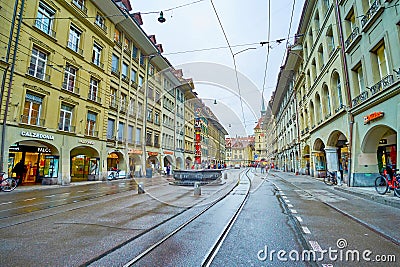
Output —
(329, 179)
(8, 184)
(381, 185)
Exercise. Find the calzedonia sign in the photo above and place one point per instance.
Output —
(37, 135)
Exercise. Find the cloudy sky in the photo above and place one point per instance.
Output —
(194, 41)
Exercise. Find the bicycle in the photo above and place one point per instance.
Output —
(384, 182)
(330, 178)
(114, 174)
(8, 184)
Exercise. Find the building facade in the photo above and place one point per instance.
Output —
(82, 88)
(342, 93)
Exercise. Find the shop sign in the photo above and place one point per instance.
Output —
(135, 151)
(37, 135)
(373, 116)
(44, 150)
(168, 152)
(152, 153)
(86, 142)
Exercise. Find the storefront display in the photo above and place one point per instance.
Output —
(38, 161)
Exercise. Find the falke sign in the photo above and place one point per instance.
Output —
(373, 116)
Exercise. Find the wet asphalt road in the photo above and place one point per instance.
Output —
(64, 227)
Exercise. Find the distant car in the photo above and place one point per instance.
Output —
(237, 166)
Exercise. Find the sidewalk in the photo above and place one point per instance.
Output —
(25, 188)
(364, 192)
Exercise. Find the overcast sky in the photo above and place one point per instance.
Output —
(196, 27)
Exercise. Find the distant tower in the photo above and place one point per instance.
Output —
(263, 111)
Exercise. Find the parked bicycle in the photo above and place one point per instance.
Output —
(330, 178)
(8, 184)
(114, 174)
(385, 182)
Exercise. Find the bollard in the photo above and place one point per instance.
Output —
(140, 188)
(225, 176)
(197, 189)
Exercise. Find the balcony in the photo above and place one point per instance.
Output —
(66, 128)
(80, 6)
(39, 74)
(70, 88)
(138, 142)
(45, 28)
(75, 48)
(370, 14)
(351, 39)
(98, 64)
(134, 84)
(94, 97)
(101, 25)
(115, 71)
(122, 108)
(382, 84)
(30, 120)
(125, 78)
(113, 104)
(360, 98)
(92, 133)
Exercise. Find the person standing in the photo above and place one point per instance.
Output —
(168, 169)
(20, 171)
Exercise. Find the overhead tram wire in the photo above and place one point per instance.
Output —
(172, 8)
(234, 60)
(290, 28)
(268, 48)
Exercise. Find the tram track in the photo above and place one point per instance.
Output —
(243, 181)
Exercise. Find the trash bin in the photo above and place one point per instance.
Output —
(149, 172)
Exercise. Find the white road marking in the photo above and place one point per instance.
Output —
(29, 199)
(284, 197)
(80, 191)
(306, 230)
(5, 203)
(51, 196)
(293, 211)
(290, 205)
(299, 218)
(315, 246)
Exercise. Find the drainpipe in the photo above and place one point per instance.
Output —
(3, 135)
(347, 86)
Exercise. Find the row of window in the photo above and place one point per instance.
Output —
(33, 115)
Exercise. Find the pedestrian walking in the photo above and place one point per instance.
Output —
(168, 169)
(20, 171)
